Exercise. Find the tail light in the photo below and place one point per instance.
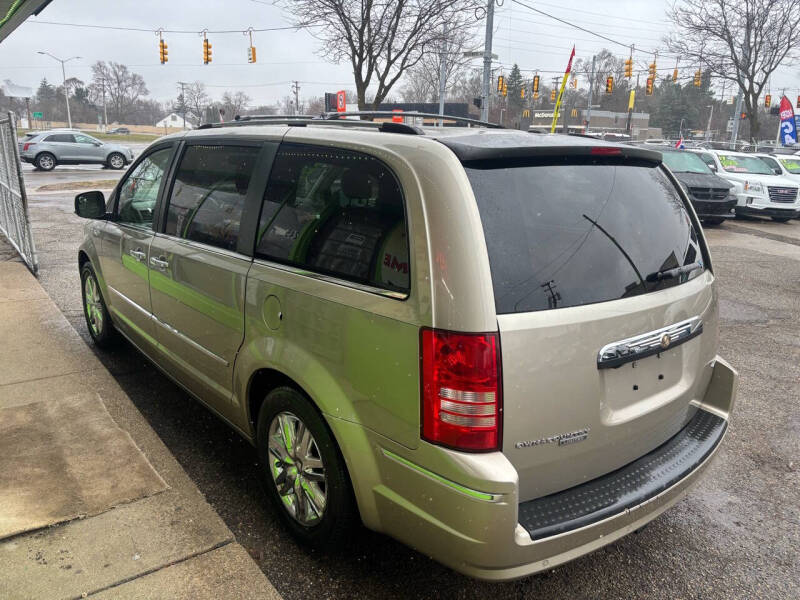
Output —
(28, 145)
(461, 394)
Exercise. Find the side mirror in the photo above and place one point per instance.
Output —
(713, 168)
(777, 170)
(98, 144)
(90, 205)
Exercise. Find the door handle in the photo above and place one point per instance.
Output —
(137, 254)
(159, 263)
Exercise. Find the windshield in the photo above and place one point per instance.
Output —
(744, 164)
(562, 235)
(791, 164)
(685, 162)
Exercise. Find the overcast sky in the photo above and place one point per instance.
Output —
(532, 40)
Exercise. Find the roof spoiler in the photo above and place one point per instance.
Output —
(469, 153)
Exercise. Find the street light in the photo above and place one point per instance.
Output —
(64, 77)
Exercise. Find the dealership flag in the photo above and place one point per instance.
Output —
(788, 130)
(561, 91)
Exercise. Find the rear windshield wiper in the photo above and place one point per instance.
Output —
(675, 272)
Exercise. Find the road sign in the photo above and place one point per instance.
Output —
(341, 101)
(38, 115)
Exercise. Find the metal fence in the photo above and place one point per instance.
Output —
(15, 221)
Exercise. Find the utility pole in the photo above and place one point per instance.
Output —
(487, 60)
(736, 118)
(591, 97)
(442, 73)
(708, 127)
(183, 85)
(296, 90)
(64, 78)
(105, 108)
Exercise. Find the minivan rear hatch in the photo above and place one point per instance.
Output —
(605, 307)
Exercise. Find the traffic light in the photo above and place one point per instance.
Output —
(536, 86)
(553, 95)
(251, 54)
(505, 89)
(206, 52)
(609, 84)
(162, 51)
(649, 88)
(500, 81)
(698, 76)
(629, 68)
(574, 82)
(522, 93)
(653, 70)
(767, 100)
(675, 75)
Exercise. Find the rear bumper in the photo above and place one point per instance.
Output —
(462, 509)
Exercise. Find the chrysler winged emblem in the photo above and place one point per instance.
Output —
(666, 340)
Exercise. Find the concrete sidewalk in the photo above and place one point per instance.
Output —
(170, 544)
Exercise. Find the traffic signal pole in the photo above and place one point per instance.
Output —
(443, 73)
(487, 60)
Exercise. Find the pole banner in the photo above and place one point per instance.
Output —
(561, 91)
(788, 128)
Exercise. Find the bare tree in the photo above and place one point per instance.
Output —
(421, 82)
(234, 103)
(196, 99)
(381, 39)
(123, 88)
(743, 41)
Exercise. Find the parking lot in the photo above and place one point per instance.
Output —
(735, 536)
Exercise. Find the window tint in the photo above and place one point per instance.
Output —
(139, 192)
(209, 192)
(565, 235)
(708, 159)
(338, 213)
(61, 137)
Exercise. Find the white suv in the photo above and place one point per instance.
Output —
(759, 191)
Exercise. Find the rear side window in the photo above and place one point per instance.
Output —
(335, 212)
(209, 192)
(562, 235)
(61, 137)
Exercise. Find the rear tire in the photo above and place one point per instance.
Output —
(98, 321)
(45, 161)
(304, 472)
(116, 161)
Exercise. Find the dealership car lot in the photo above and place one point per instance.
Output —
(730, 538)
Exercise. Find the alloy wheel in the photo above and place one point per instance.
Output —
(117, 161)
(297, 468)
(94, 306)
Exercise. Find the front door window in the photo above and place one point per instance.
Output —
(139, 192)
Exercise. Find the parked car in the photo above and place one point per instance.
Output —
(710, 195)
(47, 149)
(758, 190)
(120, 130)
(431, 331)
(787, 166)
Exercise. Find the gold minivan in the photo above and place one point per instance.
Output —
(497, 347)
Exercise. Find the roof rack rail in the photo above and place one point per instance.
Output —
(271, 117)
(387, 113)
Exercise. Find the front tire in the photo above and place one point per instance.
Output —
(305, 474)
(45, 161)
(116, 161)
(98, 321)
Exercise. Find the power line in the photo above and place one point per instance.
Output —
(179, 31)
(584, 29)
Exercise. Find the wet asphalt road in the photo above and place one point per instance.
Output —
(735, 536)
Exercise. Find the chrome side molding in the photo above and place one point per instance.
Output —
(634, 348)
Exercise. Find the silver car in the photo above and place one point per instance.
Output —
(497, 347)
(46, 149)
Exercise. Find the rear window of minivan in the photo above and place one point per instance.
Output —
(561, 235)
